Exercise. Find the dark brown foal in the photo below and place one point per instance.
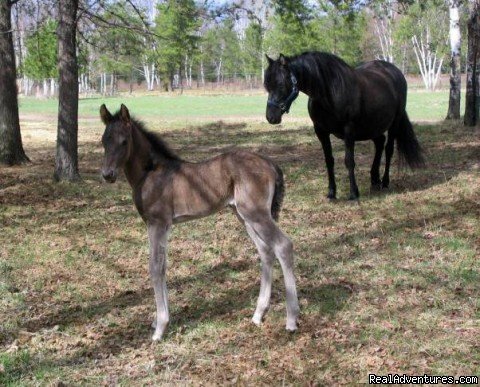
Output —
(168, 190)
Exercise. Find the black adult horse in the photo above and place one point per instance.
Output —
(354, 104)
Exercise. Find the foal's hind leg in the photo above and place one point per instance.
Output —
(266, 229)
(375, 171)
(266, 257)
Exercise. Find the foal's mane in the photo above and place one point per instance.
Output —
(160, 149)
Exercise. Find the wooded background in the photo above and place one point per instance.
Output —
(90, 45)
(182, 43)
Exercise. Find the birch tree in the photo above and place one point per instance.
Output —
(384, 15)
(455, 55)
(149, 66)
(429, 61)
(425, 25)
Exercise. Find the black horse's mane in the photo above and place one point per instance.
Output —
(159, 147)
(324, 75)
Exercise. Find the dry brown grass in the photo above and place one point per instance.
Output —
(389, 284)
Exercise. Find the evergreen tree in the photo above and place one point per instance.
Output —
(177, 25)
(41, 59)
(120, 48)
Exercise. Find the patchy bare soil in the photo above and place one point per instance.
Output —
(387, 285)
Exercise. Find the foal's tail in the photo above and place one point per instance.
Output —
(408, 147)
(278, 193)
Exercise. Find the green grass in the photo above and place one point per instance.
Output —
(184, 108)
(386, 285)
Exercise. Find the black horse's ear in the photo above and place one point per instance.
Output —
(283, 60)
(124, 114)
(105, 114)
(270, 60)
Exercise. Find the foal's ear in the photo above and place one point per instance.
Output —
(105, 114)
(124, 114)
(283, 60)
(270, 60)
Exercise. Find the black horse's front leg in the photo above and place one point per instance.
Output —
(350, 163)
(324, 138)
(375, 171)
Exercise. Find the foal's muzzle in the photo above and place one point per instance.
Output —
(109, 176)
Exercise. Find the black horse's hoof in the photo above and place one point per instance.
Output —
(354, 194)
(353, 198)
(385, 185)
(376, 186)
(331, 196)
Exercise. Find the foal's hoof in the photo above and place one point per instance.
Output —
(157, 336)
(257, 320)
(291, 327)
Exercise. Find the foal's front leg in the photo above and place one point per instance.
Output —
(157, 235)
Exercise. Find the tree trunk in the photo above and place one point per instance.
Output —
(45, 88)
(18, 38)
(471, 98)
(11, 148)
(52, 87)
(148, 77)
(66, 161)
(455, 45)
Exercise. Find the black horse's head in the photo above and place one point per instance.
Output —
(281, 85)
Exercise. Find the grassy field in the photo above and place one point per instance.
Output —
(181, 109)
(387, 285)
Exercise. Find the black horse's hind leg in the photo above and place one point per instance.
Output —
(324, 138)
(375, 171)
(388, 158)
(350, 163)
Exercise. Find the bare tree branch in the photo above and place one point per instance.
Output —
(101, 21)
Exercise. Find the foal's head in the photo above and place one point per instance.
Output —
(116, 140)
(281, 85)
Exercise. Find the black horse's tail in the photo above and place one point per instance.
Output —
(408, 147)
(278, 193)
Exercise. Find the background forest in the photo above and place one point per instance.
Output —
(185, 43)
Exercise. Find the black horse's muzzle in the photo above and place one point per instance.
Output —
(274, 116)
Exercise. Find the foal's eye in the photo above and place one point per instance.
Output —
(124, 142)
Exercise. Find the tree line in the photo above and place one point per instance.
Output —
(171, 43)
(174, 43)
